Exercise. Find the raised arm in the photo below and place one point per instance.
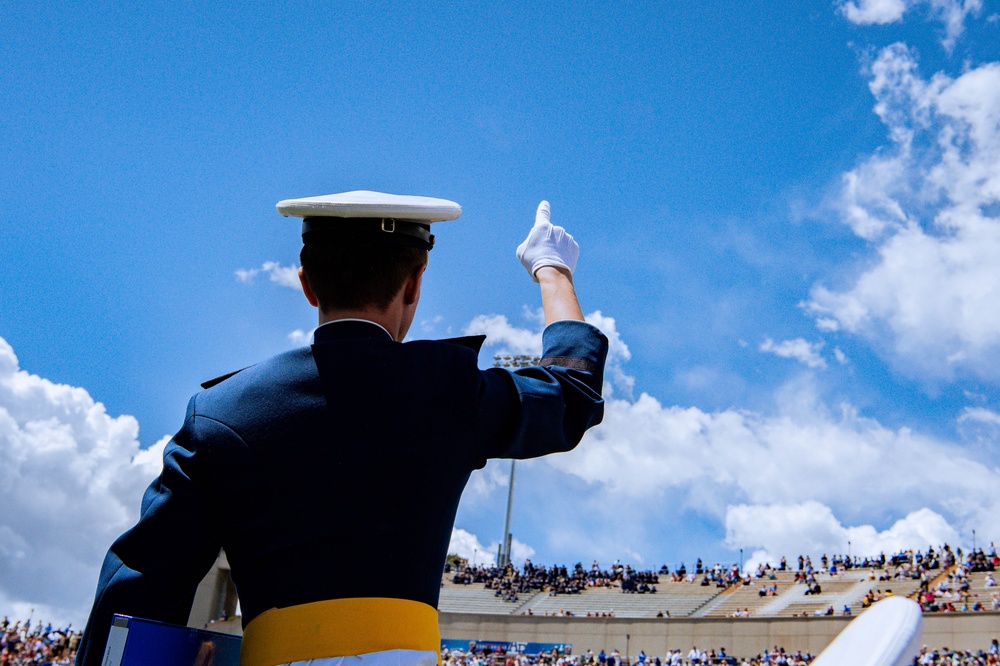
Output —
(546, 408)
(549, 255)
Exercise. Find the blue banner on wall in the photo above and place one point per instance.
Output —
(518, 647)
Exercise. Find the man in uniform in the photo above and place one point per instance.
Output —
(331, 474)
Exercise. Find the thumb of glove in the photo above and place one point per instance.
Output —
(543, 214)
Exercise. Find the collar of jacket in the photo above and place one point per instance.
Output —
(349, 329)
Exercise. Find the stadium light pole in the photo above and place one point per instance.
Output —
(506, 523)
(508, 361)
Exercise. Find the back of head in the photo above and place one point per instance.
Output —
(358, 274)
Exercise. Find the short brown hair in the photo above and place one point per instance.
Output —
(358, 274)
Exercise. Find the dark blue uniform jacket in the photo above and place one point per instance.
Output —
(335, 471)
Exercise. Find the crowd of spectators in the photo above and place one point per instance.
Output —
(509, 581)
(43, 645)
(776, 656)
(674, 657)
(923, 566)
(954, 591)
(946, 657)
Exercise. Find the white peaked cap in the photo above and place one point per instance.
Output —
(887, 634)
(375, 205)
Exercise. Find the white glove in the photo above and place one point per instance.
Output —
(547, 245)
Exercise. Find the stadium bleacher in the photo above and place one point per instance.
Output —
(854, 584)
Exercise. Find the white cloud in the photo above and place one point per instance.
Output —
(980, 415)
(286, 276)
(806, 353)
(809, 527)
(980, 428)
(685, 458)
(827, 325)
(508, 338)
(430, 325)
(71, 478)
(511, 340)
(246, 275)
(844, 472)
(519, 552)
(467, 545)
(951, 13)
(931, 299)
(300, 338)
(840, 356)
(484, 481)
(868, 12)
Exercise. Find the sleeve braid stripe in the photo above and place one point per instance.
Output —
(570, 362)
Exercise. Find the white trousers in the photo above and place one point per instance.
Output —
(386, 658)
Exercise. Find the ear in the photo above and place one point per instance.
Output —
(411, 288)
(307, 290)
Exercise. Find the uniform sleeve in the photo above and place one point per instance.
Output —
(547, 408)
(153, 570)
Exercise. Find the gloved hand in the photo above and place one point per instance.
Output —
(547, 245)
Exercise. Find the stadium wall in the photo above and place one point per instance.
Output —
(740, 636)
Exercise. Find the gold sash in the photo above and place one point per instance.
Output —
(337, 628)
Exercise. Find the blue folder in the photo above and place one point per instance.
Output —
(134, 641)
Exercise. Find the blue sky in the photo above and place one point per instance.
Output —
(789, 216)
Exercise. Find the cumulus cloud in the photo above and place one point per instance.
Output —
(930, 208)
(509, 340)
(737, 464)
(484, 481)
(980, 427)
(300, 338)
(980, 415)
(951, 13)
(430, 325)
(506, 337)
(832, 469)
(806, 353)
(467, 545)
(809, 527)
(286, 276)
(71, 478)
(802, 474)
(868, 12)
(646, 448)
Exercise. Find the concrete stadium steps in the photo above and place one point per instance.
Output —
(742, 597)
(679, 599)
(838, 591)
(977, 583)
(905, 587)
(780, 577)
(977, 590)
(476, 599)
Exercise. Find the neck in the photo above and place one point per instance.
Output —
(391, 319)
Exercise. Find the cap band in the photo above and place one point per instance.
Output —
(385, 230)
